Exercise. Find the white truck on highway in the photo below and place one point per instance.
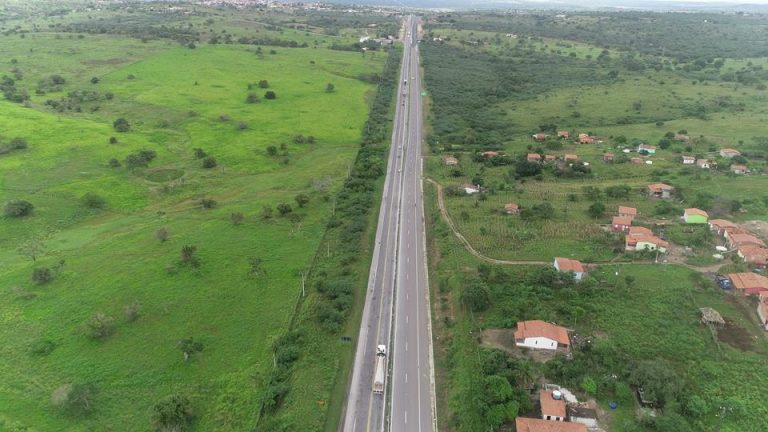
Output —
(381, 369)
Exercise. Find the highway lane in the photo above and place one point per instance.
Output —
(365, 410)
(412, 379)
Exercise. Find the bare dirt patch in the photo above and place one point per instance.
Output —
(735, 336)
(756, 227)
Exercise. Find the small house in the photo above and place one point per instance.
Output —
(681, 137)
(511, 208)
(552, 405)
(534, 157)
(570, 157)
(586, 139)
(729, 231)
(621, 224)
(550, 158)
(608, 157)
(564, 265)
(720, 225)
(563, 134)
(490, 154)
(585, 416)
(704, 163)
(643, 239)
(738, 169)
(539, 334)
(525, 424)
(629, 212)
(541, 136)
(636, 160)
(451, 161)
(689, 160)
(646, 148)
(753, 254)
(737, 240)
(749, 283)
(729, 153)
(695, 216)
(660, 190)
(762, 311)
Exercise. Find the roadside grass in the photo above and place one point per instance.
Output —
(111, 258)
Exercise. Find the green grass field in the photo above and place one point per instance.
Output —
(174, 104)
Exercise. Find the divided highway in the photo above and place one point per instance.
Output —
(396, 312)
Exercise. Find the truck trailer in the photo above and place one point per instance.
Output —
(379, 376)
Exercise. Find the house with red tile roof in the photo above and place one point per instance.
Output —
(539, 334)
(753, 254)
(511, 208)
(552, 405)
(704, 163)
(570, 157)
(695, 216)
(550, 158)
(524, 424)
(534, 157)
(719, 225)
(749, 283)
(629, 212)
(733, 230)
(660, 190)
(729, 153)
(608, 157)
(541, 136)
(565, 265)
(490, 154)
(740, 240)
(738, 169)
(563, 134)
(643, 239)
(621, 223)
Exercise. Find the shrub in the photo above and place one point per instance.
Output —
(270, 95)
(284, 209)
(18, 208)
(162, 234)
(329, 88)
(208, 203)
(93, 201)
(42, 347)
(74, 399)
(209, 162)
(174, 414)
(237, 218)
(252, 98)
(200, 153)
(132, 311)
(113, 140)
(42, 275)
(100, 326)
(476, 296)
(18, 143)
(121, 125)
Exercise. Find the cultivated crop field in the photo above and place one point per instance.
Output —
(204, 240)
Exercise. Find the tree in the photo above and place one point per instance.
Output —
(523, 168)
(263, 84)
(209, 162)
(32, 248)
(189, 256)
(100, 326)
(173, 414)
(476, 296)
(41, 275)
(596, 210)
(270, 95)
(113, 140)
(658, 380)
(200, 153)
(162, 234)
(272, 150)
(252, 98)
(190, 346)
(93, 201)
(589, 385)
(236, 218)
(266, 212)
(95, 80)
(664, 143)
(17, 208)
(301, 199)
(329, 88)
(74, 399)
(121, 125)
(284, 209)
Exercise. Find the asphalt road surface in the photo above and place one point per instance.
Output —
(396, 311)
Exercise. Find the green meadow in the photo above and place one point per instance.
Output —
(176, 100)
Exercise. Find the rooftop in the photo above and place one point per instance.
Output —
(627, 210)
(524, 424)
(551, 406)
(695, 211)
(538, 328)
(565, 264)
(748, 280)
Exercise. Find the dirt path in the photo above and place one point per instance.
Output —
(448, 220)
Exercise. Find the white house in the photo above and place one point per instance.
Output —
(646, 148)
(470, 189)
(689, 160)
(704, 163)
(538, 334)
